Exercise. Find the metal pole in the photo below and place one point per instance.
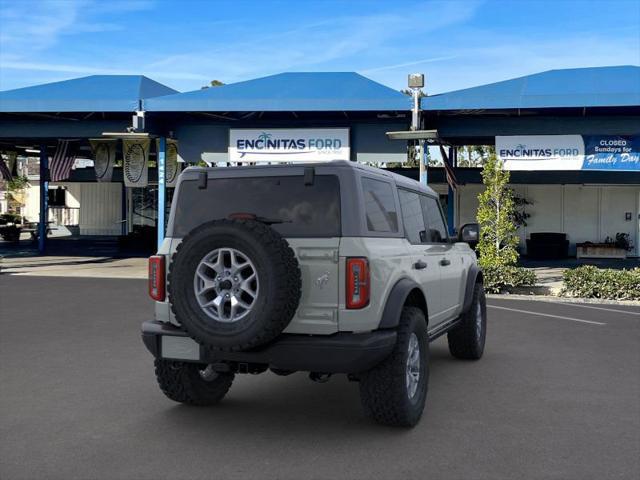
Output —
(44, 199)
(453, 158)
(423, 162)
(415, 93)
(162, 190)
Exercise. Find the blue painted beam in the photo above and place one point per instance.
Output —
(162, 188)
(44, 199)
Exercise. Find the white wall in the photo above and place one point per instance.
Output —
(32, 202)
(100, 208)
(583, 212)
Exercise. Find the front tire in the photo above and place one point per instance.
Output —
(394, 392)
(192, 383)
(466, 340)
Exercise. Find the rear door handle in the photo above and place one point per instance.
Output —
(419, 265)
(444, 262)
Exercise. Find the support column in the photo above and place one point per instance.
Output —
(162, 188)
(44, 199)
(423, 162)
(124, 231)
(453, 158)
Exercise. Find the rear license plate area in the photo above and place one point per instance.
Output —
(179, 348)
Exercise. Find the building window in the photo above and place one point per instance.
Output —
(57, 197)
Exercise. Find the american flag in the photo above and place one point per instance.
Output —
(4, 170)
(62, 161)
(448, 170)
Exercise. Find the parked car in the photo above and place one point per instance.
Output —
(327, 268)
(10, 227)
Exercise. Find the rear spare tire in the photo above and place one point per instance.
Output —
(234, 284)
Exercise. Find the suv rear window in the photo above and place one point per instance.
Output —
(297, 210)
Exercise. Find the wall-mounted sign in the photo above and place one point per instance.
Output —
(136, 162)
(104, 157)
(541, 152)
(569, 152)
(609, 152)
(289, 145)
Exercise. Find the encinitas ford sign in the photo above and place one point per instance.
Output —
(289, 145)
(569, 152)
(541, 152)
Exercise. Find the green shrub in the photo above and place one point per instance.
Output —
(592, 282)
(501, 277)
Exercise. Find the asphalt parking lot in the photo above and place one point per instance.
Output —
(557, 395)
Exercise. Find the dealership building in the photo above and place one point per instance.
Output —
(571, 139)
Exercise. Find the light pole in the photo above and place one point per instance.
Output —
(416, 83)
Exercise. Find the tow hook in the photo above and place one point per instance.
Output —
(319, 377)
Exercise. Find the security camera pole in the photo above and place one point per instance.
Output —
(416, 83)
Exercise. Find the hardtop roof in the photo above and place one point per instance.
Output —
(298, 169)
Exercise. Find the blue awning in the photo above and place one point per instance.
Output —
(96, 93)
(577, 87)
(288, 92)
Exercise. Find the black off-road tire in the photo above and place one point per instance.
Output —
(277, 269)
(466, 340)
(383, 389)
(182, 382)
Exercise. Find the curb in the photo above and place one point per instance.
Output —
(555, 299)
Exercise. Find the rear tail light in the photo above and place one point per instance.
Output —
(156, 277)
(358, 286)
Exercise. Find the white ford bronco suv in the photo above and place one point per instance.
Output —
(326, 268)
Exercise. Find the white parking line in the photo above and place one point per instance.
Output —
(628, 312)
(546, 315)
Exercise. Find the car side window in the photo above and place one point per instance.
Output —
(412, 217)
(436, 228)
(380, 206)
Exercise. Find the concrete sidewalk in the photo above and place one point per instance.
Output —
(65, 266)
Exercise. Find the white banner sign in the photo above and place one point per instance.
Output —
(136, 162)
(289, 145)
(541, 152)
(104, 156)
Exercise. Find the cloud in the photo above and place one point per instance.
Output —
(89, 70)
(30, 27)
(511, 56)
(409, 64)
(341, 40)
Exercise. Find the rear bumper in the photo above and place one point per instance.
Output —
(338, 353)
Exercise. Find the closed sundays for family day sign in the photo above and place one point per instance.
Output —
(289, 145)
(569, 152)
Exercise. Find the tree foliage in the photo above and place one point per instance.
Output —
(474, 155)
(496, 212)
(213, 83)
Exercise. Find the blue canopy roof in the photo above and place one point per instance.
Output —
(299, 92)
(96, 93)
(576, 87)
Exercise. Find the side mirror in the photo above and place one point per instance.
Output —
(469, 233)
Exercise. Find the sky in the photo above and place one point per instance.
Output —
(185, 44)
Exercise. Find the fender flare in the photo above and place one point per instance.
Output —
(395, 301)
(474, 276)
